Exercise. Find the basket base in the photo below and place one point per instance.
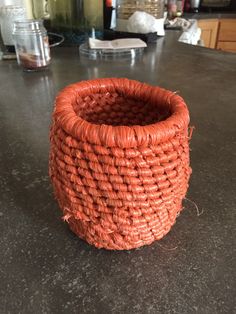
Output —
(110, 241)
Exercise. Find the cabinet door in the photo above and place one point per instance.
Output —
(209, 30)
(227, 30)
(227, 35)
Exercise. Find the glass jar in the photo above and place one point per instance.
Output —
(127, 7)
(31, 44)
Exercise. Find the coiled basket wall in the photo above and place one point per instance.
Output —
(119, 160)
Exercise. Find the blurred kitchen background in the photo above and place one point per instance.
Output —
(210, 23)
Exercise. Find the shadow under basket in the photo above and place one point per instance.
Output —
(119, 160)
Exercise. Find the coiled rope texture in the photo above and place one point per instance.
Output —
(119, 160)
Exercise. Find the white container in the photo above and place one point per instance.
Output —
(9, 14)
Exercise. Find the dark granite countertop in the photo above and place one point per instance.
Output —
(44, 268)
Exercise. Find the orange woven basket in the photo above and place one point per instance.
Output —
(119, 160)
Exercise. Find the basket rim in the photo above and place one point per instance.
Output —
(121, 136)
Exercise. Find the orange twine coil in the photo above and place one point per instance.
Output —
(119, 160)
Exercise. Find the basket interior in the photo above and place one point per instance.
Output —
(115, 109)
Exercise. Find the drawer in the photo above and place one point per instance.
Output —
(227, 46)
(227, 30)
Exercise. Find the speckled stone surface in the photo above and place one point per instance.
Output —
(44, 268)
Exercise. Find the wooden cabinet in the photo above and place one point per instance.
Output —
(219, 33)
(209, 30)
(227, 46)
(227, 35)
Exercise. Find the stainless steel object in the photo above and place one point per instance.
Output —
(195, 5)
